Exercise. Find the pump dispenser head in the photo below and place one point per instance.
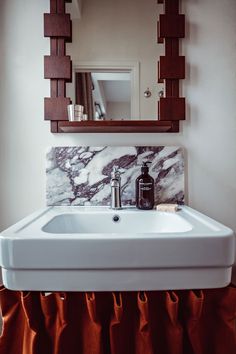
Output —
(145, 167)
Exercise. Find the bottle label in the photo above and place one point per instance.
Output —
(145, 193)
(145, 186)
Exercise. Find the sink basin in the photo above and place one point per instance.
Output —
(112, 223)
(99, 249)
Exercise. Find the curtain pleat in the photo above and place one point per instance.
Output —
(117, 328)
(154, 322)
(14, 322)
(122, 323)
(35, 338)
(55, 309)
(173, 328)
(143, 341)
(49, 310)
(91, 326)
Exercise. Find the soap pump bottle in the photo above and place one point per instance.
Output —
(145, 189)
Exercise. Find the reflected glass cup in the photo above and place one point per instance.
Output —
(75, 112)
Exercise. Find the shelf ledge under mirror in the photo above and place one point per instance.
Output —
(127, 126)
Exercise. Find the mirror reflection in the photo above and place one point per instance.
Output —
(104, 95)
(123, 34)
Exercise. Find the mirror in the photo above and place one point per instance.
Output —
(116, 46)
(114, 54)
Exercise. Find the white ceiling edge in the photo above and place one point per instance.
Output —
(75, 9)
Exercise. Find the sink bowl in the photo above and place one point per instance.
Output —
(110, 222)
(99, 249)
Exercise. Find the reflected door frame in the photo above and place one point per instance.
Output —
(128, 66)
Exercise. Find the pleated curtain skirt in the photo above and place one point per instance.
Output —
(161, 322)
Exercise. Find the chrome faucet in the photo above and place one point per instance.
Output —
(115, 189)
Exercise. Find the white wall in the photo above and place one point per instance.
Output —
(118, 110)
(208, 135)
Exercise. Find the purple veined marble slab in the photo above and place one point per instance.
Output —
(80, 175)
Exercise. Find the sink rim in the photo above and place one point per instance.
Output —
(202, 224)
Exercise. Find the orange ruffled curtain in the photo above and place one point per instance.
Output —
(161, 322)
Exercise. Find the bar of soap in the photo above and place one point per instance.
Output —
(167, 207)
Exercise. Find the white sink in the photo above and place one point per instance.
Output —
(84, 249)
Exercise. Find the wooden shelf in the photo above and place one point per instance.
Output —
(128, 126)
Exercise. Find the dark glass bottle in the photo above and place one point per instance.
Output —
(145, 189)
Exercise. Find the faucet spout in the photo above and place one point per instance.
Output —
(115, 189)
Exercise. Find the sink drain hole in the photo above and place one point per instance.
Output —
(116, 218)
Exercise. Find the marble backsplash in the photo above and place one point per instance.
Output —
(80, 175)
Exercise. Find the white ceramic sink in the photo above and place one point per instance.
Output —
(84, 249)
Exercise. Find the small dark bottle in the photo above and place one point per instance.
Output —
(145, 189)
